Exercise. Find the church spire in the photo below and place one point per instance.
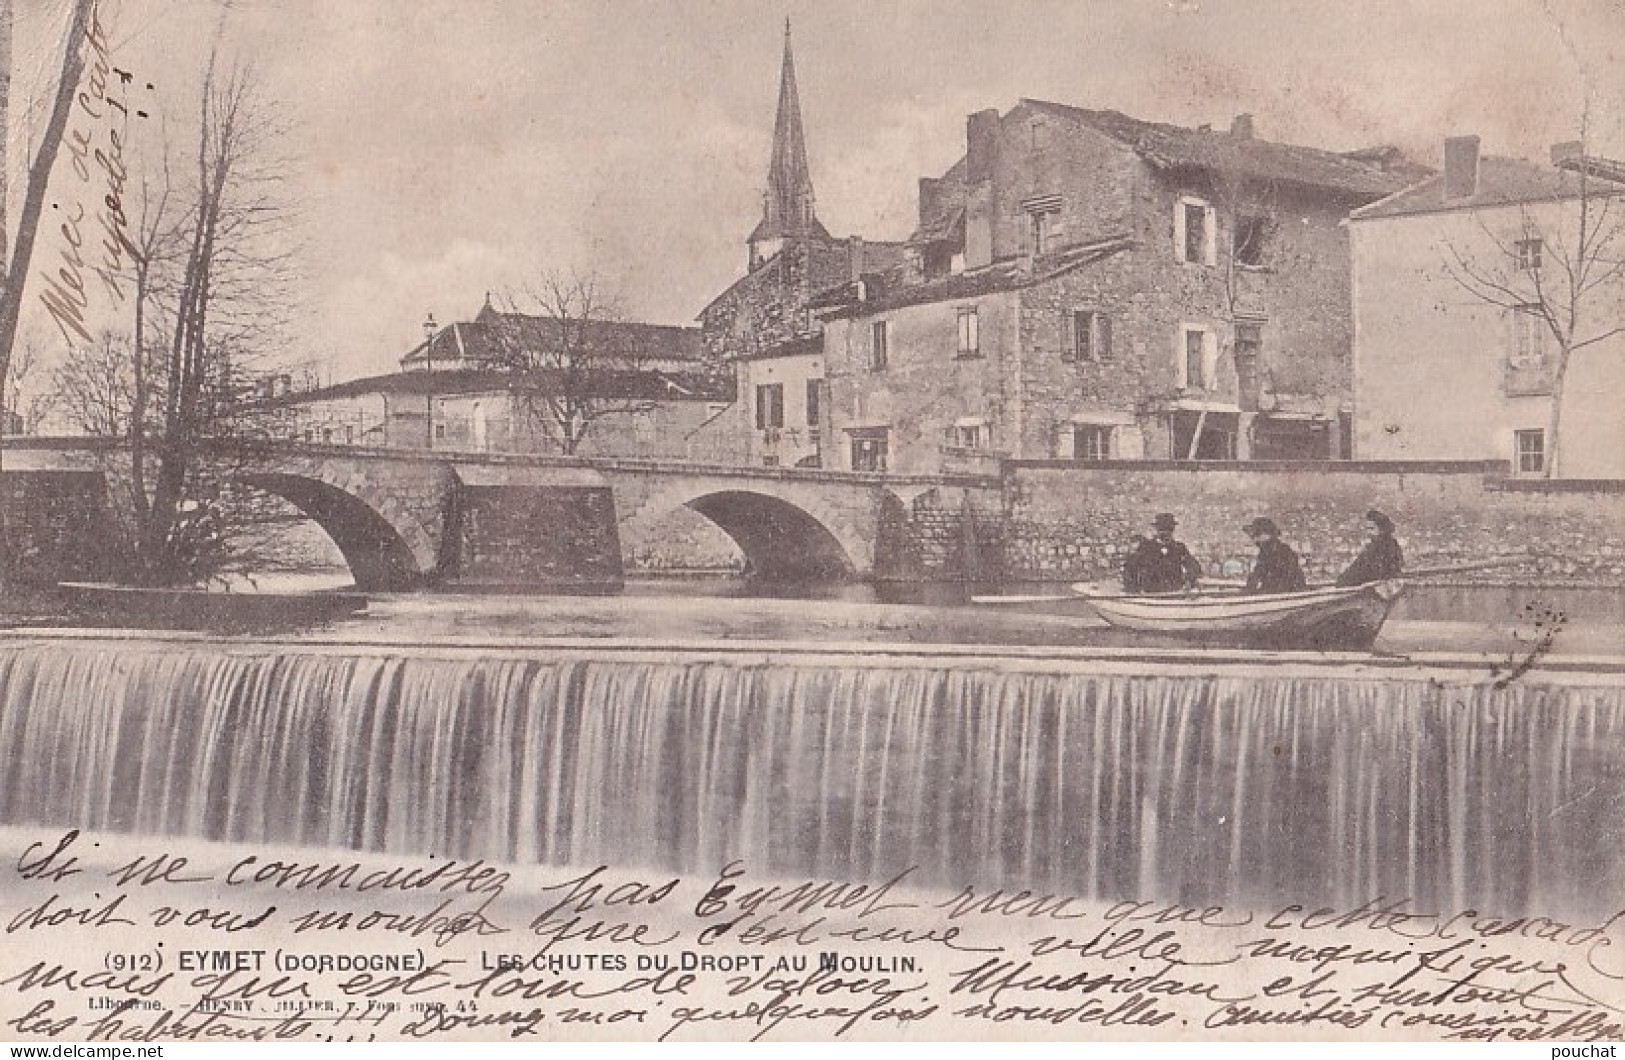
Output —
(788, 209)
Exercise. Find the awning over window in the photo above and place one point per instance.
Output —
(1103, 418)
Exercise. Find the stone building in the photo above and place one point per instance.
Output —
(637, 390)
(1462, 308)
(1086, 286)
(761, 329)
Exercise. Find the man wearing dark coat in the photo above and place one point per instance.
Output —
(1277, 569)
(1381, 558)
(1159, 564)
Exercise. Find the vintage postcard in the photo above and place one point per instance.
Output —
(712, 521)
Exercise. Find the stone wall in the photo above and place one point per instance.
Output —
(1070, 521)
(515, 538)
(58, 527)
(941, 535)
(681, 541)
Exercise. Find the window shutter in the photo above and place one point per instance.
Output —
(1103, 337)
(1210, 360)
(1180, 376)
(1210, 235)
(1179, 229)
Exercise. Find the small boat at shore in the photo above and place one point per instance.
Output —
(1325, 619)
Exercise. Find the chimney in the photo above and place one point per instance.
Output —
(981, 145)
(854, 258)
(930, 199)
(1242, 127)
(1460, 167)
(981, 159)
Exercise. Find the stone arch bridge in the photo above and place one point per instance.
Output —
(404, 519)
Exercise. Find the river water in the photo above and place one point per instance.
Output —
(1494, 621)
(854, 737)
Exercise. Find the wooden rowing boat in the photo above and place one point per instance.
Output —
(1327, 619)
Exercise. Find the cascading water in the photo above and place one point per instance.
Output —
(1341, 784)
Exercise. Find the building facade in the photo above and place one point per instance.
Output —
(1087, 286)
(1467, 288)
(503, 383)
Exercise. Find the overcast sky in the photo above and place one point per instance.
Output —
(450, 147)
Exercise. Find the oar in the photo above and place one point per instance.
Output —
(1207, 588)
(1022, 599)
(1462, 568)
(1459, 568)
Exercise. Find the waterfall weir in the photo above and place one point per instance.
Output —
(1090, 777)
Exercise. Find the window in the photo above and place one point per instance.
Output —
(869, 452)
(1529, 451)
(970, 339)
(1091, 442)
(815, 388)
(1040, 134)
(769, 406)
(1249, 345)
(1530, 335)
(1091, 336)
(1038, 233)
(1204, 435)
(879, 345)
(1248, 243)
(1193, 231)
(1529, 253)
(969, 434)
(1198, 353)
(938, 260)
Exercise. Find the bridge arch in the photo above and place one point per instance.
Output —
(780, 539)
(386, 549)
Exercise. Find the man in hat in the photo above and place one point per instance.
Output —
(1277, 569)
(1159, 564)
(1381, 558)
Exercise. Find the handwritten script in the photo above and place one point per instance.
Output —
(95, 243)
(108, 939)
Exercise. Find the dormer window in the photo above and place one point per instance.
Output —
(1043, 223)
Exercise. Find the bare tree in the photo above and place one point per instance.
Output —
(570, 359)
(1556, 268)
(31, 398)
(211, 267)
(93, 385)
